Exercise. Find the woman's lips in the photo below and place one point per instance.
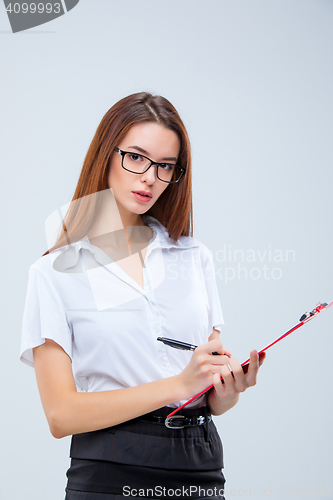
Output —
(141, 197)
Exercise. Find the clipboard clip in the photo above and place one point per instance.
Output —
(319, 307)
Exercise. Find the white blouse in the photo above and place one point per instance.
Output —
(108, 325)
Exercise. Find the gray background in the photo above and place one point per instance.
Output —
(253, 82)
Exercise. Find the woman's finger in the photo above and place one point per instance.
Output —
(212, 346)
(228, 378)
(219, 359)
(237, 374)
(219, 386)
(251, 376)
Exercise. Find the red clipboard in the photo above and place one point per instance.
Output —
(305, 318)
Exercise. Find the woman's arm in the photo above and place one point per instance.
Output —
(224, 396)
(71, 412)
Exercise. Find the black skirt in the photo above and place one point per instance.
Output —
(141, 459)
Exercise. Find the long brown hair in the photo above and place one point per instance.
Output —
(173, 208)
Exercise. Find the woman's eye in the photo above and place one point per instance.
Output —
(166, 166)
(135, 157)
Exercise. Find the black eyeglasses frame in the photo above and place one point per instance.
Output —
(122, 154)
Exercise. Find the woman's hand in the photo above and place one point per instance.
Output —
(225, 393)
(203, 366)
(222, 370)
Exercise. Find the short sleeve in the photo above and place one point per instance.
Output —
(43, 317)
(215, 311)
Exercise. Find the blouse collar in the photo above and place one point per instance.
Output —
(68, 258)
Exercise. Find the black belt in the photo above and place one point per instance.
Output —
(176, 421)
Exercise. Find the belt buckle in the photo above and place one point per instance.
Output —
(169, 420)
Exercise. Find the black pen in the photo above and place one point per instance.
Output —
(178, 344)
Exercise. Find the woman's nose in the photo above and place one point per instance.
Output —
(150, 175)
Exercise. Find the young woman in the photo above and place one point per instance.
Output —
(124, 271)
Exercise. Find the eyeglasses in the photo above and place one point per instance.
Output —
(138, 164)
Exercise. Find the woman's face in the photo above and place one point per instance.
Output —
(157, 143)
